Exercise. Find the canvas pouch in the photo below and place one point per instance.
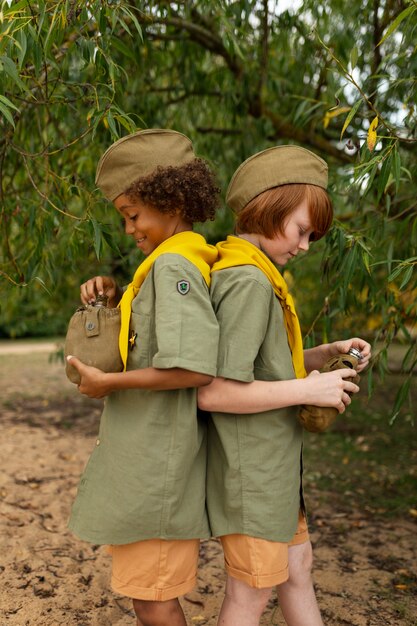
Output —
(93, 337)
(317, 419)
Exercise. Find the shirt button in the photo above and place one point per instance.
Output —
(98, 442)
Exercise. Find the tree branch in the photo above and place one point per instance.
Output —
(203, 36)
(44, 196)
(264, 50)
(219, 131)
(286, 130)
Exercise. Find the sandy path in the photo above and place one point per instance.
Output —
(49, 578)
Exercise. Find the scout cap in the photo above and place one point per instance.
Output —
(273, 167)
(139, 154)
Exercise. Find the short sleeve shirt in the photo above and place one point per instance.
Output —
(254, 461)
(146, 476)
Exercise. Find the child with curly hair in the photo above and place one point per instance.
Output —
(254, 495)
(143, 490)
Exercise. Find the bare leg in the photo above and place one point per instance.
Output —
(152, 613)
(296, 596)
(243, 605)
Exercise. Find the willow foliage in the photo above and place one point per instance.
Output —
(237, 77)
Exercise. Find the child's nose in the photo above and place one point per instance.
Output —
(304, 243)
(129, 228)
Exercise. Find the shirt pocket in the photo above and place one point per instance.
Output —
(140, 341)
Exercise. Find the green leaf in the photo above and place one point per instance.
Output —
(396, 168)
(407, 276)
(124, 26)
(123, 48)
(410, 358)
(365, 259)
(22, 47)
(48, 41)
(395, 24)
(8, 103)
(128, 12)
(102, 19)
(395, 272)
(97, 237)
(110, 240)
(11, 69)
(354, 57)
(9, 117)
(125, 122)
(400, 399)
(383, 177)
(350, 115)
(114, 18)
(14, 7)
(112, 125)
(39, 280)
(349, 265)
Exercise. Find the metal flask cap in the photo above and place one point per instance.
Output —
(356, 353)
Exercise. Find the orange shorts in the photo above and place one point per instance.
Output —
(155, 569)
(258, 562)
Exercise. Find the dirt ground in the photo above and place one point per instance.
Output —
(49, 578)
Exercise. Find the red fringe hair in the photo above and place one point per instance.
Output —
(267, 213)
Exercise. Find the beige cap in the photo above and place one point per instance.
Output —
(139, 154)
(280, 165)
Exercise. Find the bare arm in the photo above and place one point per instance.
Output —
(231, 396)
(315, 358)
(97, 384)
(329, 389)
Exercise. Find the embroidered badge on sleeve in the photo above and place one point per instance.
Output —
(183, 287)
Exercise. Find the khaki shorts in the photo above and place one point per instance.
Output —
(258, 562)
(155, 569)
(159, 569)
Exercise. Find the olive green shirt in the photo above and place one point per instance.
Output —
(146, 476)
(254, 461)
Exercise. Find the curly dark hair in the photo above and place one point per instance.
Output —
(191, 188)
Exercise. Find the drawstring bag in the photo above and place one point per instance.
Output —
(93, 337)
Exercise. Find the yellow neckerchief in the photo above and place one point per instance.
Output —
(188, 244)
(236, 251)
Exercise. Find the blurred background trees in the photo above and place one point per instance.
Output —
(236, 77)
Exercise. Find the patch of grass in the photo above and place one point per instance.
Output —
(363, 460)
